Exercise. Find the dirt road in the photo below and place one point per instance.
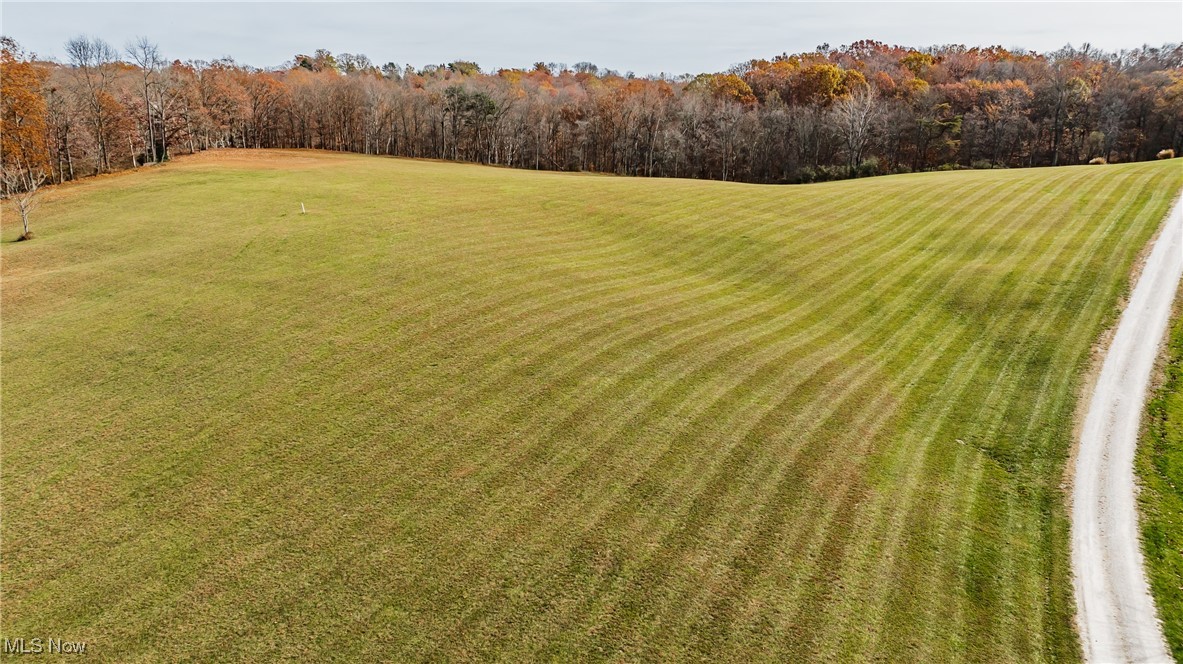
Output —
(1116, 612)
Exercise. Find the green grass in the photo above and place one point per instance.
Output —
(458, 412)
(1160, 472)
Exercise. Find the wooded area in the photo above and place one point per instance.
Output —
(863, 109)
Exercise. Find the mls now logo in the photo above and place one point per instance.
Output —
(38, 646)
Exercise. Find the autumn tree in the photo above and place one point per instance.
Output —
(24, 160)
(789, 118)
(23, 112)
(225, 103)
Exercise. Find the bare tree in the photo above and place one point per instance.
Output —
(147, 56)
(21, 186)
(855, 118)
(91, 60)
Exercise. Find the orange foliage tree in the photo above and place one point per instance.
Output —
(23, 129)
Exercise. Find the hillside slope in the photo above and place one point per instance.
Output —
(462, 412)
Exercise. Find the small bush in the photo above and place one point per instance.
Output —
(1168, 153)
(827, 173)
(869, 167)
(806, 175)
(1097, 161)
(982, 164)
(901, 169)
(947, 167)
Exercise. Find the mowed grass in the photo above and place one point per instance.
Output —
(1160, 472)
(457, 412)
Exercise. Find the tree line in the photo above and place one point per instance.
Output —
(863, 109)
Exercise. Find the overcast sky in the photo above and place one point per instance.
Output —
(648, 38)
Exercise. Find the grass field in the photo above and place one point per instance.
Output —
(1160, 472)
(458, 412)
